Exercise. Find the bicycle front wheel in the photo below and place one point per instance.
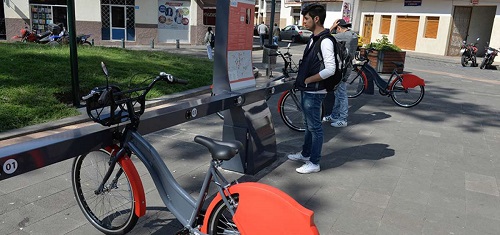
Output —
(355, 84)
(112, 210)
(406, 98)
(291, 111)
(221, 220)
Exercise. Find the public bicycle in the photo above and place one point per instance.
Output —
(405, 89)
(109, 190)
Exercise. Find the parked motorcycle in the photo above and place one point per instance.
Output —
(82, 39)
(31, 36)
(468, 52)
(489, 57)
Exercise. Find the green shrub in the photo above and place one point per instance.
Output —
(383, 45)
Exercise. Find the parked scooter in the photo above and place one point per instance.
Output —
(489, 57)
(468, 52)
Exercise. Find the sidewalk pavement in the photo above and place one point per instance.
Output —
(431, 169)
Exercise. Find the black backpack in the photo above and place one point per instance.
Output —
(342, 60)
(212, 40)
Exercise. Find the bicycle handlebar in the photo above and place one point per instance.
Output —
(108, 105)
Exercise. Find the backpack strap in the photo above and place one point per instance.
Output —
(317, 48)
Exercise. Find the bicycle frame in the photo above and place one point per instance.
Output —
(280, 207)
(372, 76)
(241, 200)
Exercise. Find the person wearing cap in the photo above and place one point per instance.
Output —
(342, 32)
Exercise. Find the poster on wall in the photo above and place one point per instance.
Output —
(173, 21)
(239, 48)
(347, 12)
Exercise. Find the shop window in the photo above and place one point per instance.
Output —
(43, 15)
(431, 26)
(385, 24)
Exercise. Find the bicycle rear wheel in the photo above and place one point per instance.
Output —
(406, 98)
(291, 111)
(355, 84)
(112, 210)
(221, 220)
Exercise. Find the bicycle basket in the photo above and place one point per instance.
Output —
(102, 107)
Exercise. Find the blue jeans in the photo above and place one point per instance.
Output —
(341, 106)
(262, 39)
(313, 137)
(275, 40)
(210, 52)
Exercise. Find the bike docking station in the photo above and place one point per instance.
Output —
(247, 115)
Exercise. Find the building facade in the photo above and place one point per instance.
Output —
(111, 21)
(427, 26)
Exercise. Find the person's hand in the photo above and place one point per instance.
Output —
(332, 29)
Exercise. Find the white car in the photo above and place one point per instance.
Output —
(295, 33)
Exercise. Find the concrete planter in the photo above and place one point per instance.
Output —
(382, 60)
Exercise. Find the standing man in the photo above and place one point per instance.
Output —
(342, 33)
(312, 90)
(262, 29)
(207, 41)
(276, 34)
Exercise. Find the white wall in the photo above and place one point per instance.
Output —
(286, 13)
(333, 12)
(444, 9)
(88, 10)
(495, 33)
(147, 12)
(16, 9)
(438, 45)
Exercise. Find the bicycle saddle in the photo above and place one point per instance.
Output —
(220, 150)
(398, 64)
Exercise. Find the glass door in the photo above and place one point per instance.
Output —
(118, 22)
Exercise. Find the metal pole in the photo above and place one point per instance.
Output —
(73, 53)
(271, 23)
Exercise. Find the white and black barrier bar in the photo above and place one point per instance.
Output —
(23, 157)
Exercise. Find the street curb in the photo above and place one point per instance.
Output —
(83, 117)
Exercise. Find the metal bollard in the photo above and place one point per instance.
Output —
(92, 42)
(152, 43)
(177, 43)
(123, 43)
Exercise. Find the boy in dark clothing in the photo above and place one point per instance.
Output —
(310, 84)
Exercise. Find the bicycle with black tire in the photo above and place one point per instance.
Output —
(406, 90)
(289, 103)
(109, 190)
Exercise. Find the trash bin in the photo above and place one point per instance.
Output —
(269, 58)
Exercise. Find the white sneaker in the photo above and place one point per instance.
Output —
(339, 123)
(307, 168)
(329, 119)
(297, 157)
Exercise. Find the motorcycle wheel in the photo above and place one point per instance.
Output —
(483, 64)
(53, 43)
(464, 61)
(86, 43)
(474, 61)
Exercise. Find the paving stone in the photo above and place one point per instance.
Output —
(371, 198)
(481, 184)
